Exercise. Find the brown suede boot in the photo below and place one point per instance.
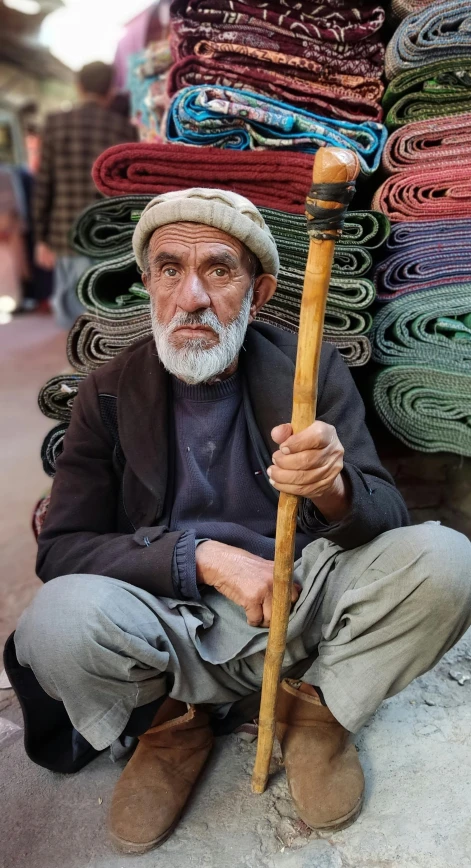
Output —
(157, 781)
(324, 774)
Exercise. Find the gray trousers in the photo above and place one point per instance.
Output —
(65, 301)
(377, 616)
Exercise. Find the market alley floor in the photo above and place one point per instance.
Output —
(415, 752)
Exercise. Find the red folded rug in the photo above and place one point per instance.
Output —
(352, 98)
(273, 179)
(433, 194)
(436, 142)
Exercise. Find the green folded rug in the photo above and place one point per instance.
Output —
(426, 328)
(427, 408)
(57, 396)
(104, 230)
(438, 89)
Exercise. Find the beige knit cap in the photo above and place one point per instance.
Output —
(222, 209)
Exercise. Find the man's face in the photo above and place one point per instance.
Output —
(195, 268)
(203, 296)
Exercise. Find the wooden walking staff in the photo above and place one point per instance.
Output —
(334, 174)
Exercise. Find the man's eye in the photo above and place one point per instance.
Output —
(170, 271)
(220, 272)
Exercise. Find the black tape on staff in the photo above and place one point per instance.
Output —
(320, 219)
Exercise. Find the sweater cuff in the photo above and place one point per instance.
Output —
(184, 568)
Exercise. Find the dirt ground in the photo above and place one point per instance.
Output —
(416, 751)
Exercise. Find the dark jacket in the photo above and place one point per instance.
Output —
(70, 143)
(109, 496)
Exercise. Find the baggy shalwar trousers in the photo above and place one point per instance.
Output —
(376, 617)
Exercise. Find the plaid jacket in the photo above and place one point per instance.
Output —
(71, 142)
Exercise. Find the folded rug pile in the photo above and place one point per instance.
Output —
(436, 142)
(336, 34)
(296, 80)
(147, 86)
(441, 31)
(431, 194)
(426, 408)
(435, 90)
(56, 397)
(93, 340)
(104, 230)
(275, 179)
(426, 329)
(242, 120)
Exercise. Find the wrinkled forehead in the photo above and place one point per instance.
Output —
(186, 238)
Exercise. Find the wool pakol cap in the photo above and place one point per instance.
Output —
(222, 209)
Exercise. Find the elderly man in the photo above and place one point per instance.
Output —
(157, 551)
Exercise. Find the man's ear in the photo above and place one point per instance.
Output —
(264, 288)
(144, 278)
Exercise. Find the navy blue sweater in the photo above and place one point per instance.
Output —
(218, 489)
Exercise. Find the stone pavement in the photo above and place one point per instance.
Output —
(416, 751)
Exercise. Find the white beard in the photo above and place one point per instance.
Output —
(192, 363)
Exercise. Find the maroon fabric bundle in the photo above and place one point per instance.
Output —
(270, 179)
(343, 37)
(352, 98)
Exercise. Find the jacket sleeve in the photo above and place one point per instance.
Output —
(79, 534)
(377, 505)
(44, 186)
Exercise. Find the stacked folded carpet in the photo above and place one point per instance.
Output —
(429, 194)
(104, 230)
(52, 447)
(56, 397)
(440, 31)
(436, 142)
(423, 334)
(276, 179)
(438, 89)
(428, 409)
(424, 395)
(298, 81)
(335, 34)
(240, 120)
(147, 85)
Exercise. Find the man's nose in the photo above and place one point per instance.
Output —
(192, 295)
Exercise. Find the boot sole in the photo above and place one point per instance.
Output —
(131, 847)
(340, 823)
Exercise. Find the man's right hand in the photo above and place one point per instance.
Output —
(44, 256)
(240, 576)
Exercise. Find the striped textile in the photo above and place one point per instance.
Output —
(275, 179)
(426, 408)
(240, 120)
(56, 397)
(432, 194)
(426, 329)
(422, 266)
(104, 230)
(435, 142)
(436, 90)
(441, 31)
(437, 232)
(113, 288)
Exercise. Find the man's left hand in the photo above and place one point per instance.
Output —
(310, 464)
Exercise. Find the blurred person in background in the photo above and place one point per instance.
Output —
(71, 142)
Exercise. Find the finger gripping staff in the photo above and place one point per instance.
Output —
(334, 173)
